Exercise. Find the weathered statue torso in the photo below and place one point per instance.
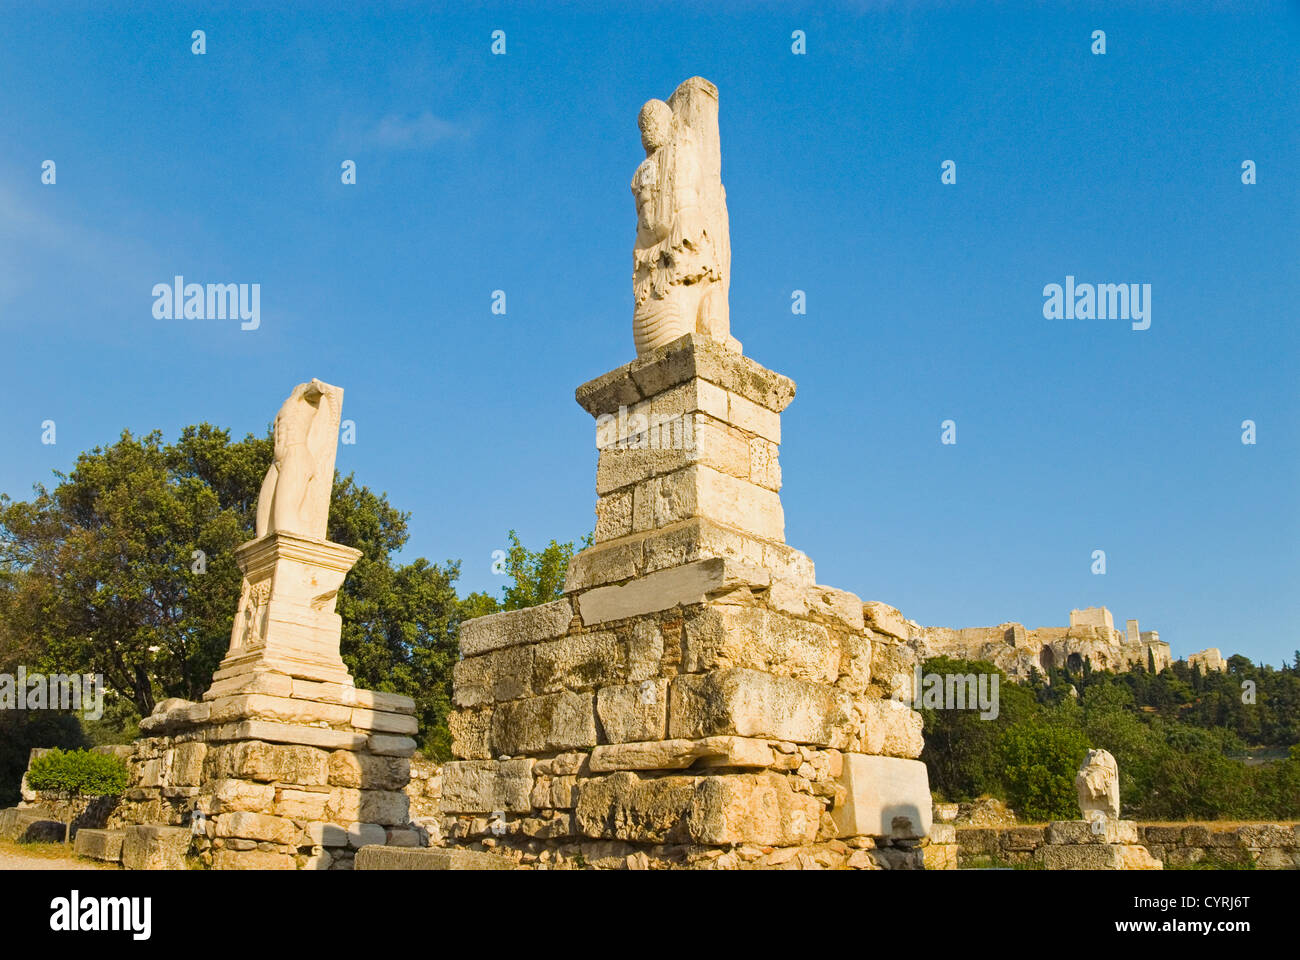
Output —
(295, 493)
(681, 264)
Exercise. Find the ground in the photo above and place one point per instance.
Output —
(44, 856)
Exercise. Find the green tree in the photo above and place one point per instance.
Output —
(1039, 760)
(77, 774)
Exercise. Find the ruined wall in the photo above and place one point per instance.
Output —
(1265, 846)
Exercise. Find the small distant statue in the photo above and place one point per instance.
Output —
(295, 494)
(1098, 784)
(681, 263)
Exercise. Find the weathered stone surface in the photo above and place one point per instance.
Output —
(30, 825)
(1097, 783)
(390, 746)
(348, 769)
(891, 728)
(386, 807)
(504, 674)
(529, 625)
(383, 722)
(185, 764)
(750, 703)
(269, 762)
(623, 806)
(701, 491)
(475, 786)
(679, 754)
(1098, 856)
(884, 797)
(232, 795)
(471, 733)
(729, 636)
(883, 618)
(256, 826)
(579, 661)
(251, 860)
(153, 847)
(300, 804)
(558, 721)
(289, 733)
(99, 844)
(361, 835)
(633, 712)
(282, 709)
(426, 858)
(752, 808)
(1089, 831)
(664, 589)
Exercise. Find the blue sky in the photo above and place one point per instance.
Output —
(478, 172)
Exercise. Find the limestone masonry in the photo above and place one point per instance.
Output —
(696, 698)
(1091, 636)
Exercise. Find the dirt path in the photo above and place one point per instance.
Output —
(12, 860)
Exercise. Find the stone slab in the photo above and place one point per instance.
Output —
(884, 797)
(427, 858)
(99, 844)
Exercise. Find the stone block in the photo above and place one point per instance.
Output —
(1098, 856)
(701, 491)
(665, 589)
(300, 804)
(235, 795)
(883, 797)
(428, 858)
(226, 859)
(883, 618)
(752, 808)
(750, 703)
(256, 826)
(390, 746)
(719, 637)
(269, 762)
(349, 769)
(633, 712)
(529, 625)
(622, 806)
(471, 733)
(186, 764)
(99, 844)
(892, 728)
(155, 847)
(387, 807)
(383, 722)
(679, 754)
(504, 674)
(478, 786)
(558, 721)
(361, 835)
(1086, 831)
(579, 661)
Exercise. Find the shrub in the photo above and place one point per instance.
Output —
(77, 773)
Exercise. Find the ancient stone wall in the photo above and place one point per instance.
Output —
(1266, 846)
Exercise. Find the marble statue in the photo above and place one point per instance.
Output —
(1098, 785)
(682, 258)
(295, 495)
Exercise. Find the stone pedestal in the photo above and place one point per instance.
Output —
(1104, 844)
(695, 698)
(285, 763)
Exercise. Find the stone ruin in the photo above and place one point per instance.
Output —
(1091, 637)
(695, 698)
(284, 763)
(1101, 840)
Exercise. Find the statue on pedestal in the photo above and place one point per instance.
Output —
(681, 263)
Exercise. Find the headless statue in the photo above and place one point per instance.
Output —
(296, 491)
(681, 263)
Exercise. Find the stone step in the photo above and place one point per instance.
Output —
(427, 858)
(99, 844)
(152, 846)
